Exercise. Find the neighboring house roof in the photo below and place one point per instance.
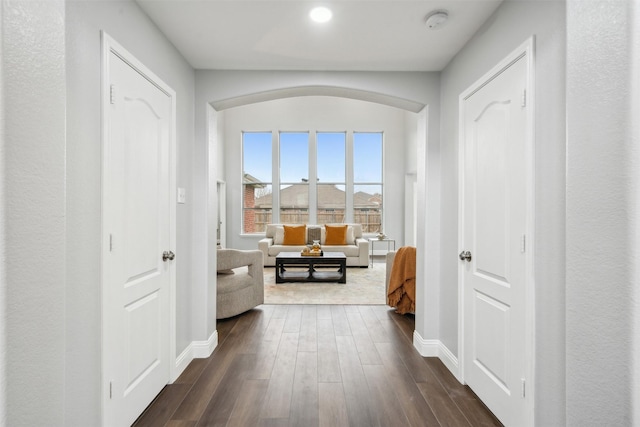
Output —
(330, 197)
(364, 200)
(250, 179)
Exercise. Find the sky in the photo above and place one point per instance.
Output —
(294, 156)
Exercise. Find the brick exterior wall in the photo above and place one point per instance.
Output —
(249, 214)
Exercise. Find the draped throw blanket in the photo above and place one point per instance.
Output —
(402, 281)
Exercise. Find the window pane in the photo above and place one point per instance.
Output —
(331, 157)
(331, 160)
(294, 157)
(294, 204)
(257, 207)
(367, 207)
(256, 181)
(367, 157)
(256, 151)
(331, 203)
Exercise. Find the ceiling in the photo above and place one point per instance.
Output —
(364, 35)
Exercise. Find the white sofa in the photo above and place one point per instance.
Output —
(357, 252)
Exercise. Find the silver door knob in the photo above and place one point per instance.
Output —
(168, 256)
(465, 256)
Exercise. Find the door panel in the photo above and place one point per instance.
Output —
(142, 177)
(491, 242)
(491, 338)
(494, 222)
(143, 343)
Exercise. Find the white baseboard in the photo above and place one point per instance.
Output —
(195, 350)
(435, 348)
(182, 361)
(204, 349)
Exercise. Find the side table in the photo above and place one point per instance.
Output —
(386, 240)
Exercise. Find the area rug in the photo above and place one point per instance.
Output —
(364, 286)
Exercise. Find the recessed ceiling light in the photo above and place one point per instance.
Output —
(321, 14)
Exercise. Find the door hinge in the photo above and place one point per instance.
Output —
(112, 94)
(523, 243)
(524, 98)
(110, 389)
(110, 242)
(524, 388)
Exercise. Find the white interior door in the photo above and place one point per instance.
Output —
(494, 226)
(138, 227)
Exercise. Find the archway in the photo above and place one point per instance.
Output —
(214, 108)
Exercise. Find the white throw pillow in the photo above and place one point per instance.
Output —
(351, 240)
(279, 237)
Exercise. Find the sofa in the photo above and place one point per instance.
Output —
(240, 282)
(356, 249)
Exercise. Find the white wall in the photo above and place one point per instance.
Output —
(311, 114)
(34, 222)
(603, 308)
(510, 26)
(221, 169)
(411, 139)
(634, 153)
(411, 171)
(3, 256)
(34, 213)
(129, 26)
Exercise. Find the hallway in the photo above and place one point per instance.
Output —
(317, 365)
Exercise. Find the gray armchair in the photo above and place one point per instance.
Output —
(239, 289)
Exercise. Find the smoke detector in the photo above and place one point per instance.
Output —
(436, 19)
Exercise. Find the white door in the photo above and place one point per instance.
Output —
(494, 225)
(138, 229)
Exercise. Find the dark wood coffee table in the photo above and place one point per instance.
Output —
(328, 260)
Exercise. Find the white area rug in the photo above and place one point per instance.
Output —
(364, 286)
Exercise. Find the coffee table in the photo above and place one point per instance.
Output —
(328, 260)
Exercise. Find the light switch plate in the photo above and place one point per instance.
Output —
(182, 195)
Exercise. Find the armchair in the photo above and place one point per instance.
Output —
(238, 290)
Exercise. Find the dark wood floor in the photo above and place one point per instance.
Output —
(292, 365)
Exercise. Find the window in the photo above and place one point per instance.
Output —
(367, 180)
(320, 178)
(256, 181)
(331, 173)
(294, 178)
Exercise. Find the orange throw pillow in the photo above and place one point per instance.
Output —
(295, 235)
(336, 235)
